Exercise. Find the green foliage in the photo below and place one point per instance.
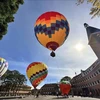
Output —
(66, 78)
(7, 10)
(12, 80)
(14, 77)
(95, 10)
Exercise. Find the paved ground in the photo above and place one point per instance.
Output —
(54, 98)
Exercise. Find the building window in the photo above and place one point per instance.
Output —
(99, 71)
(94, 74)
(98, 82)
(95, 82)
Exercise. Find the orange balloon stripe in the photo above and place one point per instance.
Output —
(51, 20)
(40, 22)
(38, 80)
(58, 37)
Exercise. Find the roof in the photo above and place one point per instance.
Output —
(90, 30)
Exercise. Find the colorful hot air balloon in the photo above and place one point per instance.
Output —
(65, 87)
(3, 66)
(51, 30)
(36, 72)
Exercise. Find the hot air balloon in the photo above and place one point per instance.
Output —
(65, 87)
(36, 72)
(3, 66)
(51, 30)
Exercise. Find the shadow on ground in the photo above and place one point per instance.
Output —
(60, 97)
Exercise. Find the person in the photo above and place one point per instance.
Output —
(72, 94)
(57, 94)
(37, 94)
(90, 94)
(66, 95)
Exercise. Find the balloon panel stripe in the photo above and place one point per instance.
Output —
(33, 74)
(48, 15)
(39, 73)
(3, 66)
(37, 81)
(34, 69)
(32, 78)
(59, 37)
(51, 30)
(48, 22)
(32, 64)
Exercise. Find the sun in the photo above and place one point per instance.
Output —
(79, 47)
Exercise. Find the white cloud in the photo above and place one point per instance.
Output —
(18, 63)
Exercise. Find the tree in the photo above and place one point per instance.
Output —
(95, 10)
(7, 9)
(12, 81)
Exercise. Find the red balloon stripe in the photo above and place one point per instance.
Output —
(33, 64)
(48, 15)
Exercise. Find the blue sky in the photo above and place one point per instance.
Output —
(20, 46)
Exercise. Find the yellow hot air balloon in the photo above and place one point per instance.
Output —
(51, 30)
(36, 72)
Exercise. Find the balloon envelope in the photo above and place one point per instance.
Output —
(51, 30)
(3, 66)
(65, 87)
(36, 72)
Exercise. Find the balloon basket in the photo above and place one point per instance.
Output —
(52, 54)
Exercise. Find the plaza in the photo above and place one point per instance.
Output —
(47, 97)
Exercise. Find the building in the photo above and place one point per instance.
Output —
(87, 81)
(19, 90)
(94, 39)
(50, 89)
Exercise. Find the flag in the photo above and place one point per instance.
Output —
(75, 73)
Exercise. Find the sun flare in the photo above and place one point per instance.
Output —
(79, 47)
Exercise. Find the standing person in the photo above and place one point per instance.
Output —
(90, 94)
(57, 94)
(72, 94)
(37, 94)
